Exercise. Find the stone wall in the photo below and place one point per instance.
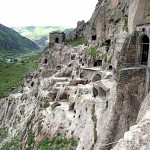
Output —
(132, 49)
(130, 94)
(129, 75)
(131, 90)
(107, 20)
(138, 13)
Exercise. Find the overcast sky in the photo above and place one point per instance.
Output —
(66, 13)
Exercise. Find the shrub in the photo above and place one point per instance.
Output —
(78, 41)
(125, 27)
(92, 51)
(58, 142)
(30, 141)
(46, 105)
(3, 133)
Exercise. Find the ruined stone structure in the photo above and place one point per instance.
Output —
(101, 96)
(77, 32)
(56, 37)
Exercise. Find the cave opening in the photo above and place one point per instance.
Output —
(57, 40)
(93, 37)
(144, 49)
(95, 92)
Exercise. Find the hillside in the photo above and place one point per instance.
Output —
(39, 34)
(12, 42)
(12, 74)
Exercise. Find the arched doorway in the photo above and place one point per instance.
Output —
(144, 49)
(110, 67)
(45, 61)
(93, 37)
(57, 40)
(99, 62)
(95, 64)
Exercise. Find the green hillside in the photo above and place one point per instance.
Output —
(11, 74)
(12, 43)
(39, 34)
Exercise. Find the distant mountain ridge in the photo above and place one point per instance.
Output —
(11, 42)
(39, 34)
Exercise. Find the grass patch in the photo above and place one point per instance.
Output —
(46, 105)
(92, 51)
(95, 53)
(30, 142)
(11, 74)
(119, 73)
(58, 142)
(10, 77)
(125, 27)
(3, 133)
(78, 41)
(13, 144)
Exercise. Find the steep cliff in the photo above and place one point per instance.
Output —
(93, 93)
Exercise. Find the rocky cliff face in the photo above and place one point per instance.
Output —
(138, 135)
(94, 98)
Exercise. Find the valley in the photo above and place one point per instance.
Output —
(39, 34)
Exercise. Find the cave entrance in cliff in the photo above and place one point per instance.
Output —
(110, 67)
(95, 92)
(107, 43)
(99, 62)
(93, 37)
(64, 96)
(57, 40)
(73, 57)
(144, 49)
(58, 67)
(45, 61)
(95, 64)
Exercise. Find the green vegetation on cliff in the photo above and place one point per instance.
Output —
(78, 41)
(13, 144)
(10, 76)
(58, 142)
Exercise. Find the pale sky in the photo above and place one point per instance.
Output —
(14, 13)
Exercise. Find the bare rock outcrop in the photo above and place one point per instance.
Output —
(138, 137)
